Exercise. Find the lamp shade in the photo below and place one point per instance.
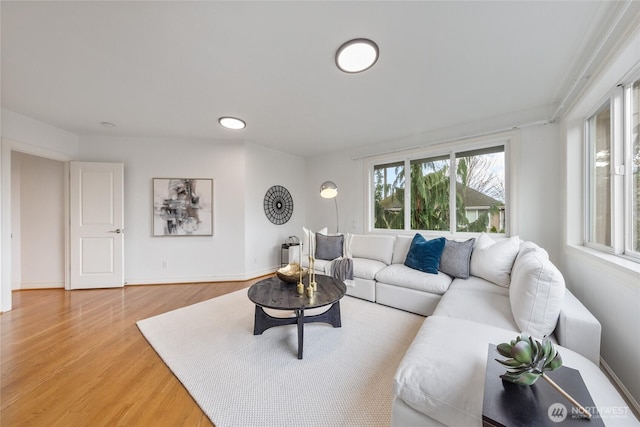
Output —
(328, 190)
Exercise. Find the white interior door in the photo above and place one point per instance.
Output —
(96, 225)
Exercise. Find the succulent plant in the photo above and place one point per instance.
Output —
(528, 359)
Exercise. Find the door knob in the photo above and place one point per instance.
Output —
(118, 231)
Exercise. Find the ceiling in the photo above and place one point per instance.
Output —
(171, 69)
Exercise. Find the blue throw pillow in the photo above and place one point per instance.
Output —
(424, 255)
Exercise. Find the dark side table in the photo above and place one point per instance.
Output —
(511, 405)
(280, 295)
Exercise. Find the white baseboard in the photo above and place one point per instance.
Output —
(200, 279)
(40, 285)
(621, 387)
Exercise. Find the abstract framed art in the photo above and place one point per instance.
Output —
(182, 207)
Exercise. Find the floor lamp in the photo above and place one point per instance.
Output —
(329, 190)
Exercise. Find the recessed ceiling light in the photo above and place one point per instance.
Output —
(108, 124)
(232, 123)
(357, 55)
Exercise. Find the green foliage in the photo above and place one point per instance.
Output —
(430, 204)
(527, 359)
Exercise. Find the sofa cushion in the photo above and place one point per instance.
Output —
(329, 247)
(526, 246)
(474, 283)
(442, 373)
(424, 255)
(401, 249)
(320, 265)
(309, 239)
(493, 260)
(406, 277)
(536, 293)
(367, 268)
(456, 258)
(378, 248)
(477, 305)
(347, 245)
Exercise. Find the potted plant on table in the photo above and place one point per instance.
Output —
(529, 359)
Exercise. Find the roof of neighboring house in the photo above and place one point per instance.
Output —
(472, 198)
(391, 203)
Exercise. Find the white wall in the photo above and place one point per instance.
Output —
(197, 258)
(347, 174)
(264, 169)
(38, 221)
(26, 130)
(540, 193)
(16, 228)
(245, 243)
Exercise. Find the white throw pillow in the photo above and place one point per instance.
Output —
(536, 293)
(379, 248)
(309, 239)
(493, 260)
(347, 245)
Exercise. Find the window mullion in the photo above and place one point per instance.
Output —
(407, 195)
(589, 187)
(628, 188)
(453, 224)
(617, 172)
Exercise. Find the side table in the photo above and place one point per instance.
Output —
(511, 405)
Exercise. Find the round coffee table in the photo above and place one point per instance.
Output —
(277, 294)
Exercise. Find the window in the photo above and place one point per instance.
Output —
(613, 174)
(599, 129)
(430, 194)
(389, 196)
(461, 189)
(480, 190)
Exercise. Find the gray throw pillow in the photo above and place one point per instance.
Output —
(329, 247)
(456, 257)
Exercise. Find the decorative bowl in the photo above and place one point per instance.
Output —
(291, 273)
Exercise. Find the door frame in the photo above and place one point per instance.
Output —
(8, 146)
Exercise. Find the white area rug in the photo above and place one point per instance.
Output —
(238, 379)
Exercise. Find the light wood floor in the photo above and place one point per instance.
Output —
(77, 358)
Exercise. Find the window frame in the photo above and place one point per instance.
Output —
(589, 179)
(509, 140)
(628, 250)
(620, 169)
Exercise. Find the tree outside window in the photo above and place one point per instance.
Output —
(389, 196)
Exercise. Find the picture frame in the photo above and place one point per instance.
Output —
(182, 207)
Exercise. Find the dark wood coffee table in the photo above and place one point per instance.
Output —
(277, 294)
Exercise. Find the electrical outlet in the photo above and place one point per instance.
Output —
(165, 264)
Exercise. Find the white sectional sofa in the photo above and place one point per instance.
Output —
(504, 288)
